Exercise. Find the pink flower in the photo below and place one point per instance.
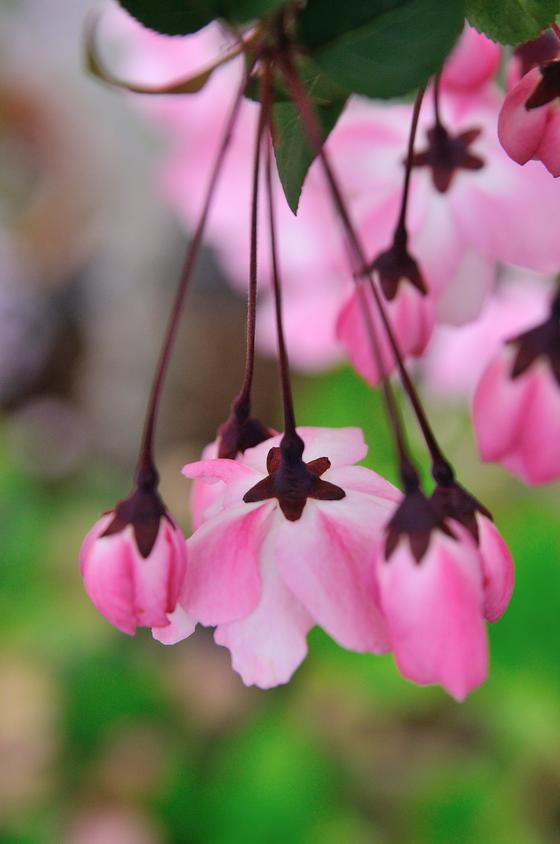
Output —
(472, 64)
(264, 575)
(438, 580)
(516, 406)
(529, 121)
(412, 317)
(457, 356)
(133, 563)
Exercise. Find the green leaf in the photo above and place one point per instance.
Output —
(181, 17)
(315, 27)
(292, 149)
(173, 17)
(397, 51)
(512, 21)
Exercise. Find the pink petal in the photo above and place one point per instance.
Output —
(549, 148)
(412, 319)
(497, 569)
(473, 62)
(434, 614)
(223, 582)
(538, 458)
(270, 643)
(180, 627)
(499, 407)
(520, 131)
(360, 479)
(325, 559)
(468, 289)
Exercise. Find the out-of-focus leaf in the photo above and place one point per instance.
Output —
(291, 146)
(318, 25)
(512, 21)
(181, 17)
(397, 51)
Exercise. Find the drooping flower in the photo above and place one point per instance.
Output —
(412, 317)
(529, 121)
(133, 563)
(472, 64)
(284, 551)
(443, 571)
(516, 406)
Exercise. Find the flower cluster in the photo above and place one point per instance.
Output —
(427, 210)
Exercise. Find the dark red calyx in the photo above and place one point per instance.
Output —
(240, 431)
(549, 86)
(415, 519)
(446, 154)
(543, 341)
(538, 51)
(144, 510)
(396, 265)
(292, 481)
(454, 502)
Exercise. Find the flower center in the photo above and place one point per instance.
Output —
(292, 482)
(446, 154)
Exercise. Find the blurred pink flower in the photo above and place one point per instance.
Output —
(412, 317)
(532, 133)
(457, 356)
(473, 63)
(517, 419)
(132, 585)
(265, 580)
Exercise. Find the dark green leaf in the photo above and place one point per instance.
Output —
(318, 25)
(512, 21)
(181, 17)
(173, 17)
(397, 51)
(293, 151)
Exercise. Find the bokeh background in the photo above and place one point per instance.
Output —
(111, 740)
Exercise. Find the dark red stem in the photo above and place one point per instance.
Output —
(146, 472)
(400, 230)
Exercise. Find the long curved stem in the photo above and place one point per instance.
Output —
(401, 223)
(146, 472)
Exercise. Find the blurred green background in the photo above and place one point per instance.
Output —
(111, 740)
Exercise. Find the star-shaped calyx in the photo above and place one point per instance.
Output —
(292, 481)
(415, 519)
(143, 509)
(549, 86)
(446, 154)
(452, 501)
(542, 341)
(395, 265)
(240, 431)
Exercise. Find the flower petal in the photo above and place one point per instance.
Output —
(270, 643)
(223, 582)
(497, 569)
(326, 560)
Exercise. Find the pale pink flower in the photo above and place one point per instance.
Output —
(437, 585)
(412, 316)
(472, 64)
(533, 133)
(264, 580)
(457, 356)
(133, 571)
(517, 418)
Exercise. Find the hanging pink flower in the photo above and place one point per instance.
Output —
(133, 563)
(516, 406)
(529, 121)
(472, 64)
(412, 316)
(439, 579)
(265, 570)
